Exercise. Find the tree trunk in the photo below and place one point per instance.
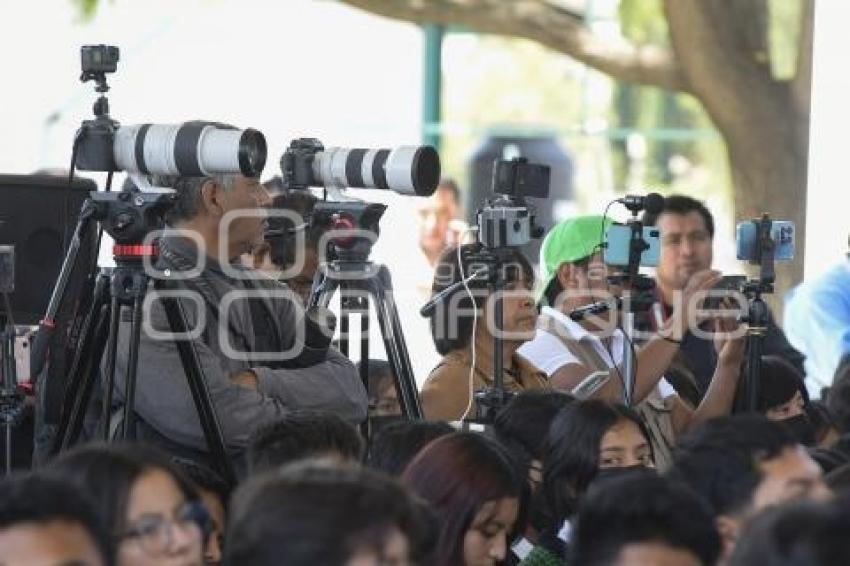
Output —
(764, 122)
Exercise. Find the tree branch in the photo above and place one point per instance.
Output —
(545, 23)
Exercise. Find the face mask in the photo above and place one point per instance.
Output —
(801, 428)
(608, 474)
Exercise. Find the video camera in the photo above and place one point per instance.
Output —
(506, 221)
(192, 148)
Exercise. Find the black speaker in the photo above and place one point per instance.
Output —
(35, 210)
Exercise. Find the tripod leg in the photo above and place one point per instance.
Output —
(200, 392)
(395, 347)
(109, 366)
(82, 375)
(128, 425)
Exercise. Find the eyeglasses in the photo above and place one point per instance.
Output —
(155, 533)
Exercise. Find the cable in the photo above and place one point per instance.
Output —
(474, 327)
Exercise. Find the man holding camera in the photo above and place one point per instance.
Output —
(687, 236)
(215, 220)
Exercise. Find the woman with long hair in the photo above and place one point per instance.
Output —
(588, 440)
(473, 487)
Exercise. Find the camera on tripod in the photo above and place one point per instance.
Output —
(192, 148)
(353, 224)
(507, 221)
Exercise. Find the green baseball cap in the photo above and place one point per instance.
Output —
(568, 241)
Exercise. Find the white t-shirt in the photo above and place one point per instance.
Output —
(549, 353)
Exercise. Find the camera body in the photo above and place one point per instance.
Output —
(518, 177)
(749, 240)
(99, 59)
(505, 226)
(507, 221)
(618, 242)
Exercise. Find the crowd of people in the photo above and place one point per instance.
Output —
(563, 471)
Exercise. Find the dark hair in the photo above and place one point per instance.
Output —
(395, 445)
(302, 434)
(571, 457)
(457, 474)
(205, 479)
(838, 398)
(838, 479)
(379, 371)
(720, 458)
(526, 419)
(778, 383)
(314, 513)
(450, 185)
(452, 330)
(33, 498)
(282, 250)
(554, 288)
(803, 533)
(681, 205)
(107, 473)
(642, 509)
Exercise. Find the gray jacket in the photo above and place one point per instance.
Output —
(163, 399)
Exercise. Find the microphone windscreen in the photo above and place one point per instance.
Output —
(653, 203)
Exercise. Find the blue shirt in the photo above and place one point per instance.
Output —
(817, 322)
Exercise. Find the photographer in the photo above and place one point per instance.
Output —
(687, 240)
(279, 252)
(245, 392)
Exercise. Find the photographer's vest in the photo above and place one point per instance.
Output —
(654, 409)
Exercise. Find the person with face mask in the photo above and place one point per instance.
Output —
(783, 398)
(589, 441)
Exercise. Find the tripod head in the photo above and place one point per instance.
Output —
(351, 228)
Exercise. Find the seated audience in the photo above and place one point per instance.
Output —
(838, 404)
(743, 464)
(522, 427)
(215, 493)
(641, 521)
(155, 514)
(383, 397)
(300, 435)
(472, 486)
(395, 445)
(327, 514)
(586, 357)
(448, 392)
(587, 440)
(801, 534)
(783, 398)
(47, 522)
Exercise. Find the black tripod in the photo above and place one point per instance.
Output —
(11, 399)
(359, 280)
(128, 217)
(353, 229)
(490, 400)
(757, 313)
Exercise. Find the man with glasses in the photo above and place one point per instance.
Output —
(687, 239)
